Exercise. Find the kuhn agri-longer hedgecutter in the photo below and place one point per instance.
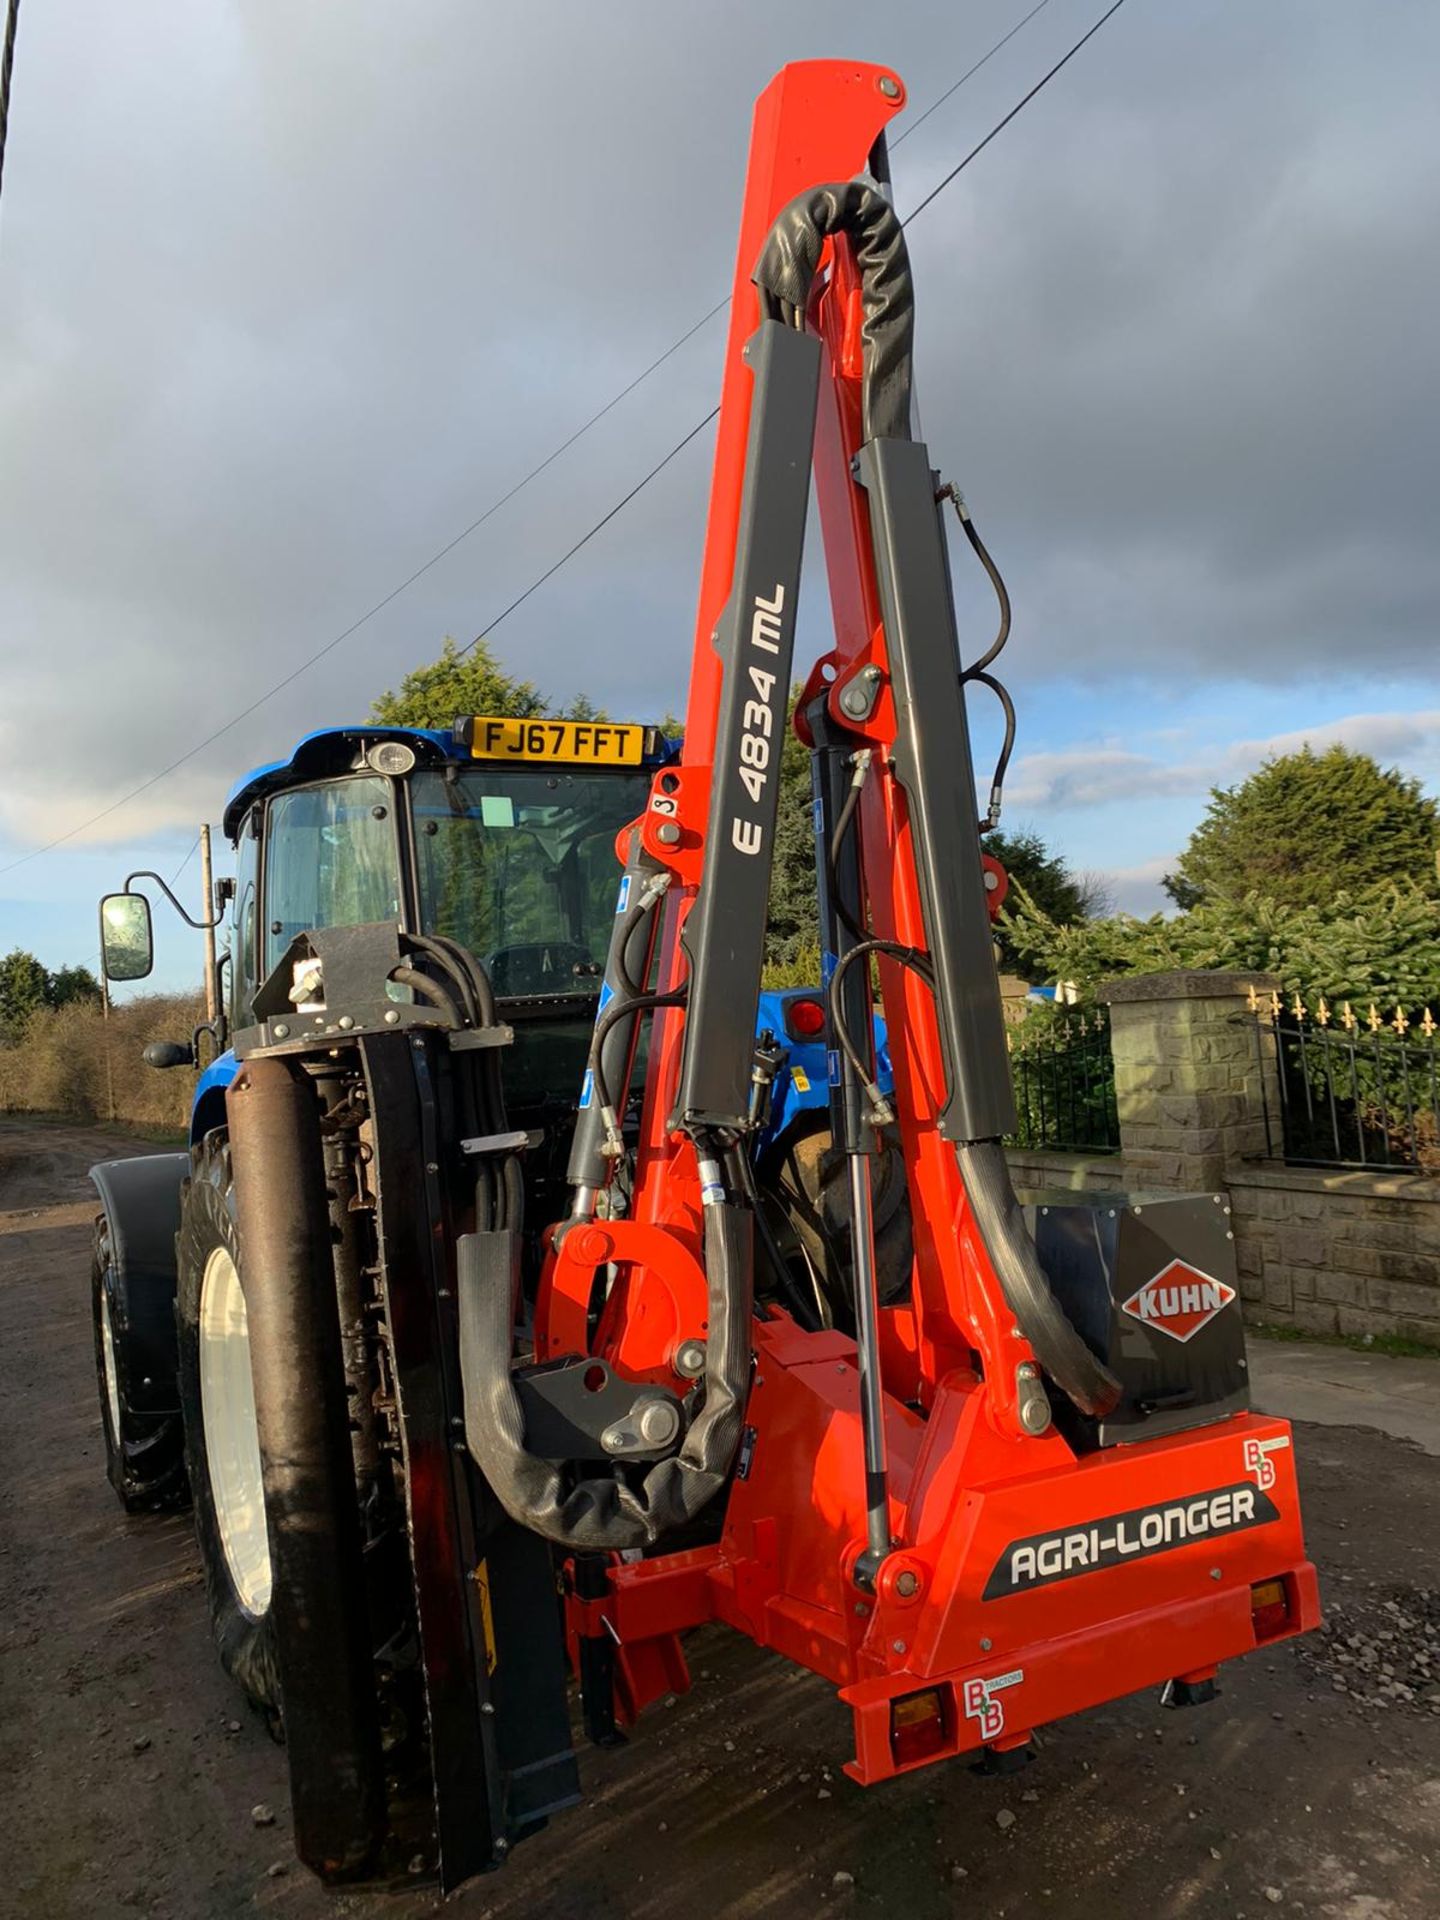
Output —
(1031, 1484)
(979, 1473)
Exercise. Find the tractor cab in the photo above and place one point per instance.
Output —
(497, 833)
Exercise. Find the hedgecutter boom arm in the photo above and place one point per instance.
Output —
(891, 686)
(885, 1506)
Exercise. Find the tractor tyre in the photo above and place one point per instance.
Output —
(222, 1443)
(144, 1450)
(809, 1179)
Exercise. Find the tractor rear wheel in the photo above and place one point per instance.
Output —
(144, 1451)
(222, 1442)
(806, 1182)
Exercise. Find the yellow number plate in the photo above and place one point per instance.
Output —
(606, 743)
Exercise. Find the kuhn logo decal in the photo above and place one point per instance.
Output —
(981, 1704)
(1041, 1559)
(1258, 1463)
(1179, 1300)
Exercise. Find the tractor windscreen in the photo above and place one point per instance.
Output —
(331, 860)
(518, 864)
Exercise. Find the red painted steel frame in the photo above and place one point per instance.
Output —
(965, 1479)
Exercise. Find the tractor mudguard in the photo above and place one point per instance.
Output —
(207, 1110)
(141, 1199)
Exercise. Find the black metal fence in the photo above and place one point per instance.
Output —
(1355, 1089)
(1064, 1076)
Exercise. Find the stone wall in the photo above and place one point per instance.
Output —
(1324, 1251)
(1033, 1171)
(1335, 1252)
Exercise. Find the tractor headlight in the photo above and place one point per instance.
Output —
(391, 757)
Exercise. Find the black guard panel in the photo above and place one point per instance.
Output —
(1149, 1283)
(489, 1614)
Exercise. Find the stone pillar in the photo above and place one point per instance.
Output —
(1191, 1084)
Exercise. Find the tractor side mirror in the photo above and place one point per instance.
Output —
(169, 1053)
(127, 940)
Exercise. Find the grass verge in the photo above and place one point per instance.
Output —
(1399, 1345)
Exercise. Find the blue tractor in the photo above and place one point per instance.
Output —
(487, 850)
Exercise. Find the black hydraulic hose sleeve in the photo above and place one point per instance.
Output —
(428, 990)
(620, 1512)
(1041, 1319)
(787, 266)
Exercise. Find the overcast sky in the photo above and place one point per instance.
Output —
(290, 292)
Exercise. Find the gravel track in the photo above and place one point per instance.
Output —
(129, 1769)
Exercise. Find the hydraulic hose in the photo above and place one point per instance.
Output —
(449, 963)
(1038, 1314)
(626, 1509)
(428, 990)
(1000, 1223)
(634, 1505)
(612, 1016)
(802, 1309)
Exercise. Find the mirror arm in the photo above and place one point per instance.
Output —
(201, 926)
(217, 1030)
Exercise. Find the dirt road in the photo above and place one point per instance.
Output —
(128, 1769)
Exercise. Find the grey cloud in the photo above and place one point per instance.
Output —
(281, 307)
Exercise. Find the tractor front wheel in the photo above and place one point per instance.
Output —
(222, 1441)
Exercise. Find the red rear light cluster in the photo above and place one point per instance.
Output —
(917, 1726)
(805, 1019)
(1269, 1608)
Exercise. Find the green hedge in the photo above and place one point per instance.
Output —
(73, 1062)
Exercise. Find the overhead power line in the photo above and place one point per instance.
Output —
(175, 877)
(619, 506)
(1019, 106)
(585, 538)
(933, 195)
(969, 73)
(7, 69)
